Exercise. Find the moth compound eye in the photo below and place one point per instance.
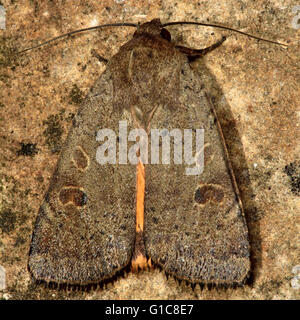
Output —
(165, 34)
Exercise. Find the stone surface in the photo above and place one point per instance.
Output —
(255, 88)
(2, 278)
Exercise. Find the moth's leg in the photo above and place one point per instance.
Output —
(194, 54)
(100, 58)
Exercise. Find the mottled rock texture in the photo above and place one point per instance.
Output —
(255, 89)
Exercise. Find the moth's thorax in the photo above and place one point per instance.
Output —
(146, 73)
(153, 27)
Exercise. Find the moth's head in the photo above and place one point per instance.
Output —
(153, 28)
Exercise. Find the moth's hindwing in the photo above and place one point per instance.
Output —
(194, 225)
(85, 230)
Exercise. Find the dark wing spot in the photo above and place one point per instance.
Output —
(208, 193)
(199, 196)
(73, 195)
(80, 159)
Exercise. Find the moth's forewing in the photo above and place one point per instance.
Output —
(194, 225)
(85, 230)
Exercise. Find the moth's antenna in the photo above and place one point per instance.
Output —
(222, 27)
(121, 24)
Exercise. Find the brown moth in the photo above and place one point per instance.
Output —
(193, 225)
